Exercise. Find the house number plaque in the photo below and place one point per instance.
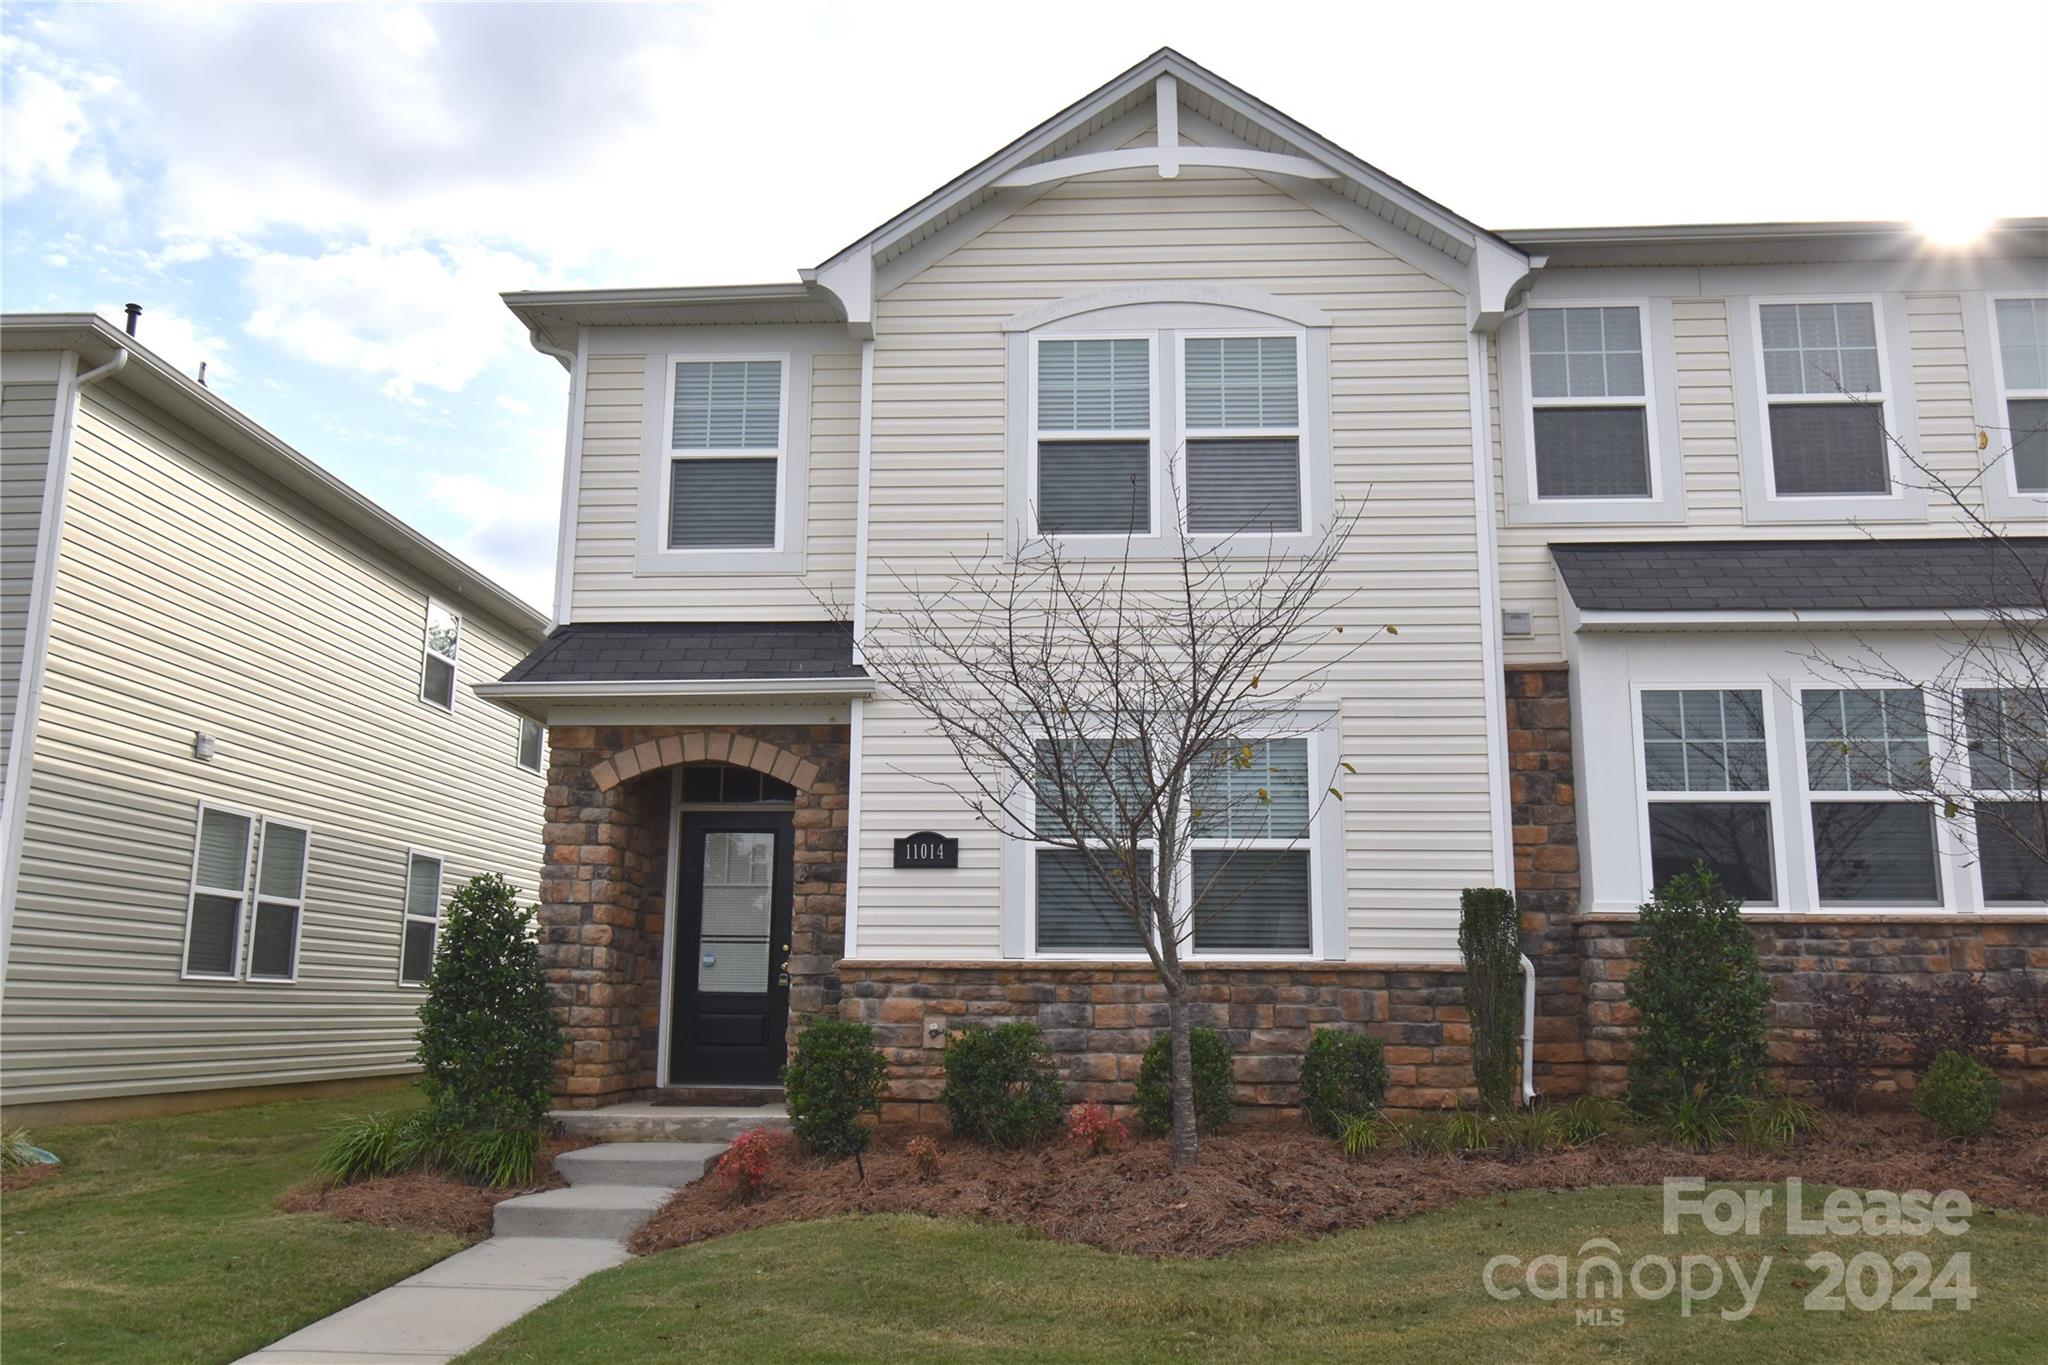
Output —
(927, 850)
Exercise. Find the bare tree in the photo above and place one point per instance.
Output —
(1107, 708)
(1986, 689)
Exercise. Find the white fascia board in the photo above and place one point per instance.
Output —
(1680, 621)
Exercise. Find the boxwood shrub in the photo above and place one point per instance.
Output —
(1001, 1085)
(1959, 1095)
(1343, 1077)
(835, 1077)
(1215, 1093)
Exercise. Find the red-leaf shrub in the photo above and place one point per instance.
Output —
(748, 1164)
(1094, 1128)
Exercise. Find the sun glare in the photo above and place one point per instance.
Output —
(1956, 228)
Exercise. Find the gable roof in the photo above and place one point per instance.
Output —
(148, 375)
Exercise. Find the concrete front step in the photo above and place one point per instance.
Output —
(587, 1211)
(638, 1163)
(644, 1122)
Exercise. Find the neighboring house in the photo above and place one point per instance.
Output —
(1598, 478)
(244, 768)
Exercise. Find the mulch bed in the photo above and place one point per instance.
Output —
(21, 1177)
(424, 1201)
(1276, 1184)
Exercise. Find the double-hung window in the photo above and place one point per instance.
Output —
(2007, 730)
(1873, 838)
(1093, 453)
(1241, 401)
(280, 901)
(1824, 399)
(1074, 910)
(726, 455)
(1589, 400)
(437, 655)
(2023, 388)
(1707, 783)
(422, 926)
(1250, 850)
(218, 893)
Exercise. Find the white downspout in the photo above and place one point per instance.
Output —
(1490, 650)
(35, 645)
(859, 624)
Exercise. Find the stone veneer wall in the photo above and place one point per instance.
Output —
(1100, 1017)
(1583, 1025)
(603, 889)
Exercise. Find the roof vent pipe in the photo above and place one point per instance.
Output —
(134, 312)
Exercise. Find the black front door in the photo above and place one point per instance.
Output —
(731, 997)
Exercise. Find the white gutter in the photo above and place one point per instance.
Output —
(1490, 651)
(1790, 618)
(671, 689)
(35, 645)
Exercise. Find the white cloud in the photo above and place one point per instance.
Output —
(509, 535)
(406, 316)
(519, 407)
(46, 134)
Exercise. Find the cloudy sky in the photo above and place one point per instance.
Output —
(323, 202)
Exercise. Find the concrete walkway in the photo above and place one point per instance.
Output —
(541, 1245)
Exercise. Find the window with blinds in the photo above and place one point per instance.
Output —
(1092, 436)
(280, 902)
(422, 919)
(1707, 773)
(1241, 410)
(2023, 387)
(1824, 393)
(726, 453)
(1589, 395)
(2007, 735)
(219, 891)
(1866, 752)
(1250, 851)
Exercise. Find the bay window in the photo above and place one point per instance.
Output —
(1874, 839)
(1707, 788)
(2007, 732)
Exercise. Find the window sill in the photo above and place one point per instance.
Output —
(724, 562)
(1920, 916)
(1663, 511)
(1904, 506)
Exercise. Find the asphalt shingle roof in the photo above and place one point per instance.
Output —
(662, 651)
(1954, 574)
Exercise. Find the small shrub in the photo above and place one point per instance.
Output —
(1215, 1082)
(835, 1077)
(749, 1164)
(1774, 1123)
(1092, 1127)
(1699, 1120)
(1702, 997)
(1001, 1085)
(1490, 942)
(1587, 1119)
(1848, 1038)
(924, 1155)
(1343, 1076)
(488, 1038)
(1959, 1096)
(1958, 1013)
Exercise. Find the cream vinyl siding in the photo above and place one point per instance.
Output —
(1413, 721)
(27, 413)
(194, 596)
(1709, 439)
(604, 586)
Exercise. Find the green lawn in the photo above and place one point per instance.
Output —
(901, 1287)
(159, 1241)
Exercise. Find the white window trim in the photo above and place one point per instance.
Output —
(1960, 772)
(2002, 495)
(1299, 432)
(428, 651)
(1130, 435)
(257, 900)
(1772, 797)
(1760, 497)
(540, 763)
(1946, 850)
(780, 454)
(1666, 501)
(406, 916)
(193, 889)
(1324, 846)
(1160, 312)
